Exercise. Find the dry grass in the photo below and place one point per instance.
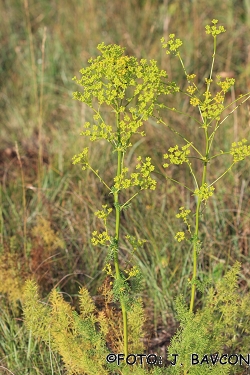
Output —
(38, 113)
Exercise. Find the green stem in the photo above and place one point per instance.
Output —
(223, 174)
(195, 254)
(204, 175)
(160, 121)
(212, 65)
(129, 200)
(197, 221)
(97, 175)
(117, 235)
(233, 102)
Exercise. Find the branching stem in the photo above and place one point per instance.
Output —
(117, 235)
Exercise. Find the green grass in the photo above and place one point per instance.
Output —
(67, 197)
(20, 352)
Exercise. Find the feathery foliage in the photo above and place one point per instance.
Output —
(78, 338)
(74, 336)
(220, 327)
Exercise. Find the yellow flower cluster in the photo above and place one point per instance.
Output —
(225, 85)
(172, 45)
(240, 150)
(81, 158)
(141, 178)
(191, 90)
(107, 269)
(177, 156)
(117, 80)
(132, 272)
(103, 214)
(214, 30)
(100, 238)
(194, 101)
(180, 236)
(204, 192)
(134, 242)
(183, 215)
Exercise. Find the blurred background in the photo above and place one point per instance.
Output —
(47, 205)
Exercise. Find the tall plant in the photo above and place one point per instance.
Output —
(211, 107)
(128, 89)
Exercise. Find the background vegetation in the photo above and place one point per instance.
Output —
(47, 205)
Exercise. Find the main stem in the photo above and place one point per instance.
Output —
(195, 254)
(116, 260)
(197, 222)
